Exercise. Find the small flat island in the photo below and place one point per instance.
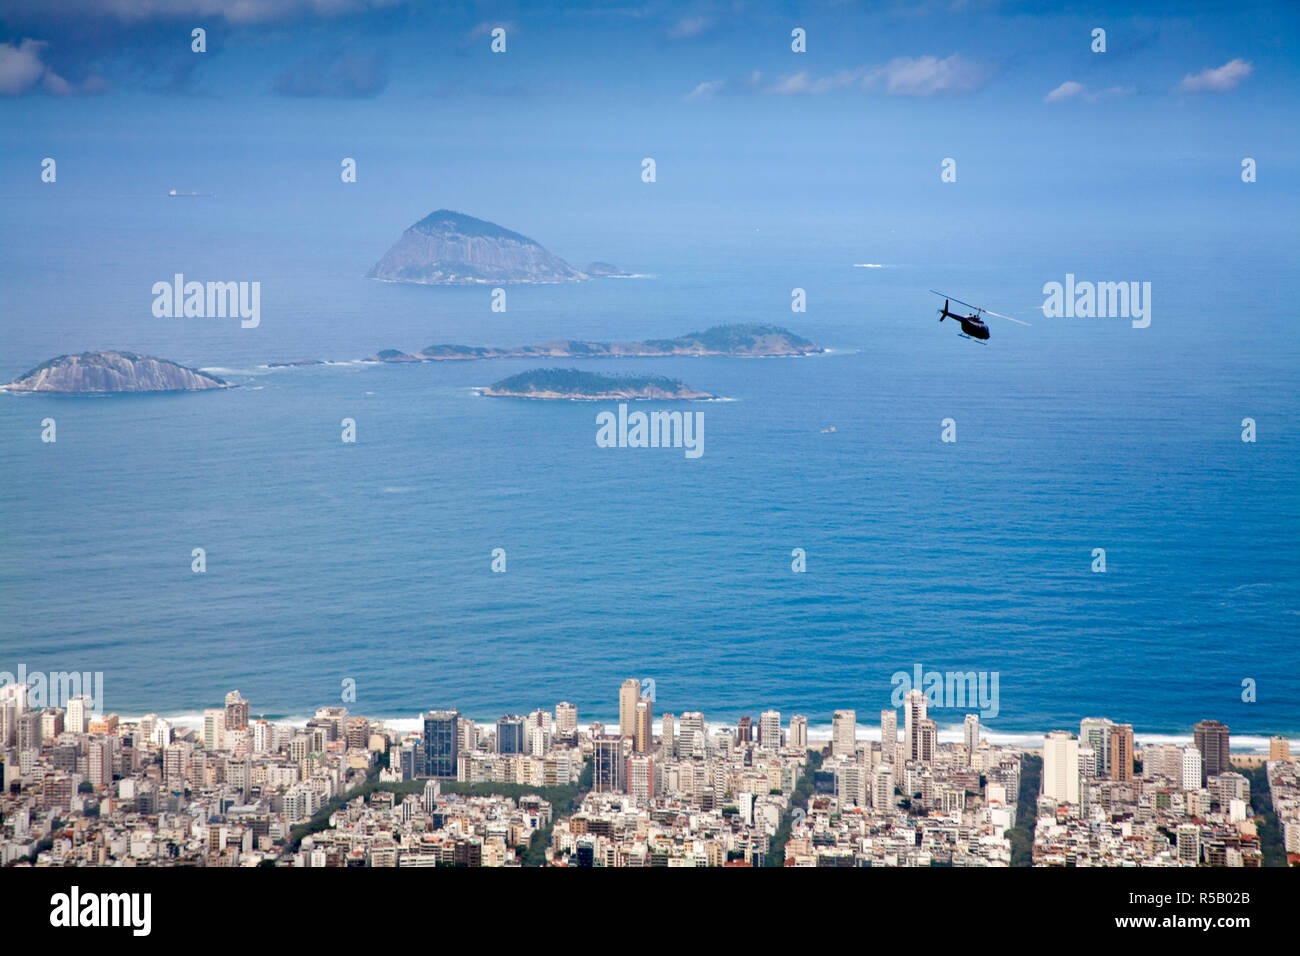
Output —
(569, 384)
(741, 340)
(112, 371)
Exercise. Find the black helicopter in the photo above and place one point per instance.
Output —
(972, 326)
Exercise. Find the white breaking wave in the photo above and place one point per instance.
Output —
(818, 733)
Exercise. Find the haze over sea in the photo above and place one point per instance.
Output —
(371, 561)
(979, 149)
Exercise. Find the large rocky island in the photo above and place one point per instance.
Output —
(568, 384)
(450, 248)
(113, 371)
(738, 341)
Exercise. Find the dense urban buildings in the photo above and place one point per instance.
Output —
(342, 790)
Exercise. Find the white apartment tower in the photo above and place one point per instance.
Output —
(844, 733)
(78, 716)
(882, 787)
(769, 729)
(914, 711)
(214, 728)
(1191, 768)
(798, 733)
(971, 735)
(888, 735)
(1061, 767)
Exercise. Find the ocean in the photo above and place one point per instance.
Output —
(371, 561)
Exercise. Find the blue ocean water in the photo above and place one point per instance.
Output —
(371, 561)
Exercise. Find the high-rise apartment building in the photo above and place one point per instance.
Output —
(628, 695)
(1189, 843)
(927, 740)
(607, 765)
(643, 727)
(915, 708)
(642, 785)
(668, 733)
(441, 743)
(769, 729)
(844, 733)
(262, 737)
(971, 735)
(236, 711)
(566, 719)
(1212, 741)
(888, 735)
(691, 734)
(51, 724)
(1061, 767)
(1094, 732)
(510, 734)
(1191, 776)
(100, 764)
(745, 730)
(356, 733)
(798, 732)
(1121, 752)
(78, 716)
(214, 728)
(882, 787)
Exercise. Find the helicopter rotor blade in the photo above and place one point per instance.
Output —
(955, 299)
(1007, 317)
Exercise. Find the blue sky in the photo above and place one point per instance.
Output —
(1043, 129)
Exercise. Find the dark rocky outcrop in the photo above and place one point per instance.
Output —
(450, 248)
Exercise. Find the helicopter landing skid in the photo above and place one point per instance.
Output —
(973, 339)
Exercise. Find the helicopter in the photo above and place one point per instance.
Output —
(972, 326)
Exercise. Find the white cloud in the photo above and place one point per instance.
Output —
(706, 90)
(1218, 80)
(928, 75)
(902, 76)
(709, 88)
(1065, 91)
(232, 11)
(23, 70)
(688, 28)
(1070, 90)
(20, 67)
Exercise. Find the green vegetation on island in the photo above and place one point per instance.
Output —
(571, 384)
(738, 340)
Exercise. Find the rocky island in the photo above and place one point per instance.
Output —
(739, 341)
(450, 248)
(568, 384)
(113, 371)
(606, 271)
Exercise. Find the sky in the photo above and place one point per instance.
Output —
(852, 133)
